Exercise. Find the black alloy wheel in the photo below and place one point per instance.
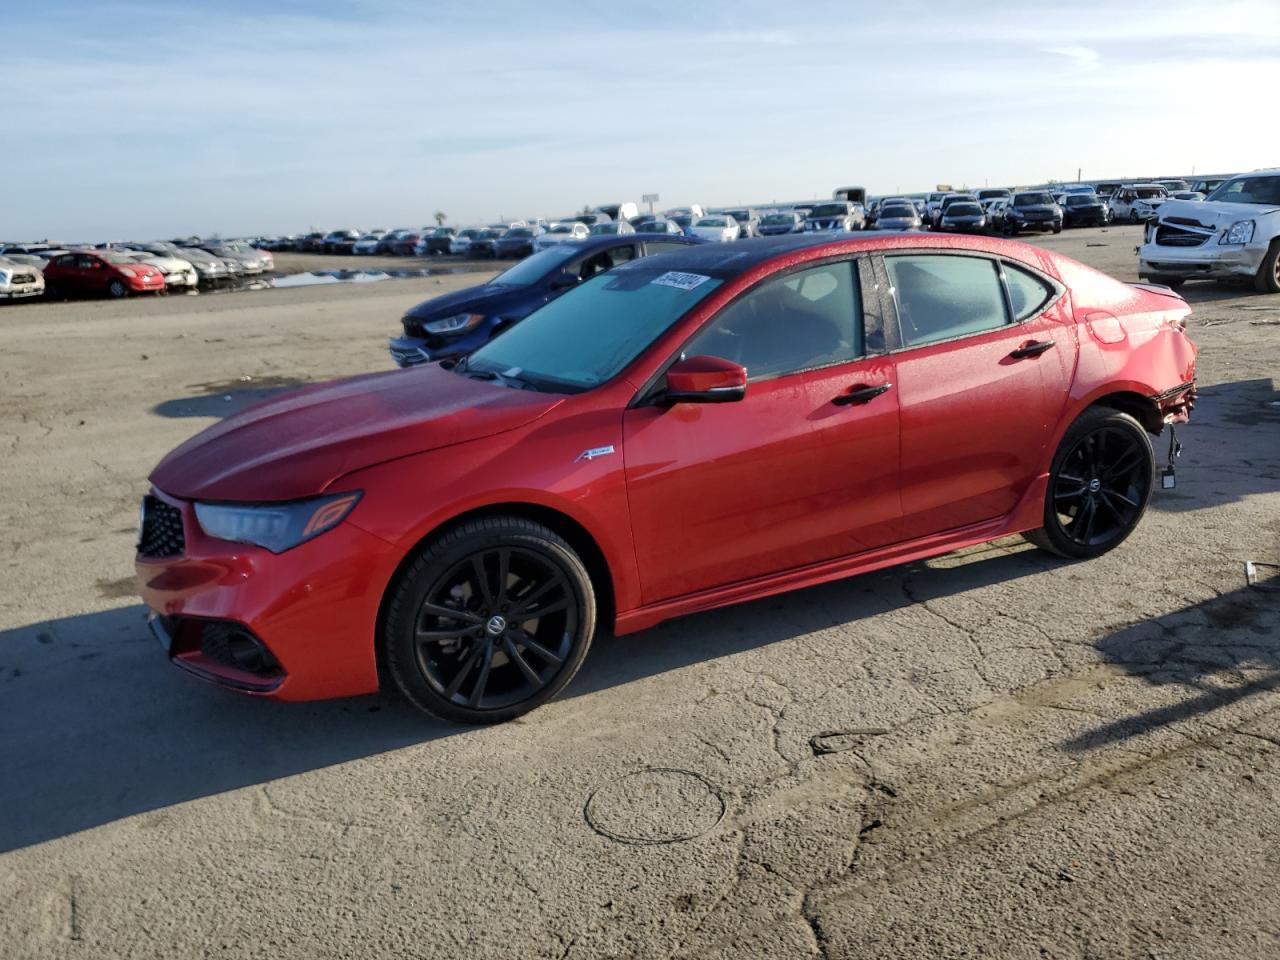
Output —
(1099, 485)
(492, 620)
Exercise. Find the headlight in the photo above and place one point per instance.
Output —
(276, 526)
(454, 324)
(1239, 232)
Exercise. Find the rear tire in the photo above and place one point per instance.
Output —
(1267, 279)
(1099, 485)
(458, 638)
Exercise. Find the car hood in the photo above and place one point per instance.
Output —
(1214, 214)
(489, 296)
(296, 445)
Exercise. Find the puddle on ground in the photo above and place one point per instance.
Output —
(318, 278)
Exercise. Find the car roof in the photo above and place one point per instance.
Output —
(728, 260)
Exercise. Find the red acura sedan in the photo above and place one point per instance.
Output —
(683, 432)
(99, 272)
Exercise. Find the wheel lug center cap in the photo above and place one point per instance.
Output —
(1095, 485)
(496, 625)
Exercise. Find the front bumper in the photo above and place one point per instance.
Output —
(414, 351)
(1209, 260)
(314, 608)
(21, 291)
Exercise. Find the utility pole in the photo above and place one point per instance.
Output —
(1078, 169)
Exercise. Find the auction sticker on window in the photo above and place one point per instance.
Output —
(681, 281)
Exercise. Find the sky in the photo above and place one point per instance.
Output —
(140, 120)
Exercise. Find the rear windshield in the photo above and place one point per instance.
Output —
(964, 209)
(896, 210)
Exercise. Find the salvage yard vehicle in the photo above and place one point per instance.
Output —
(564, 231)
(517, 242)
(177, 271)
(454, 324)
(19, 280)
(838, 215)
(1137, 202)
(1232, 233)
(100, 272)
(209, 269)
(485, 243)
(435, 240)
(780, 222)
(1084, 210)
(460, 242)
(898, 215)
(368, 244)
(680, 433)
(609, 228)
(1032, 210)
(716, 229)
(253, 261)
(963, 216)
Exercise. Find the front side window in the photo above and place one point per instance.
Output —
(1260, 190)
(810, 318)
(939, 297)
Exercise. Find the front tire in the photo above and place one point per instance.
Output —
(1267, 279)
(489, 621)
(1099, 485)
(117, 289)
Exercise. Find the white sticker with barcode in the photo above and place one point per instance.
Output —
(681, 281)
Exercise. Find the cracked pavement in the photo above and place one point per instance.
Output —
(989, 754)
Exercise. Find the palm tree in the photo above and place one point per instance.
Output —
(440, 218)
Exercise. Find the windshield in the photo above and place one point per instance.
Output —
(713, 222)
(964, 209)
(652, 226)
(1260, 190)
(603, 229)
(588, 335)
(561, 228)
(534, 268)
(896, 210)
(829, 210)
(682, 219)
(992, 194)
(778, 218)
(520, 232)
(1031, 199)
(490, 235)
(116, 258)
(1146, 193)
(1079, 200)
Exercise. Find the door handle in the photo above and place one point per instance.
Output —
(1033, 349)
(861, 395)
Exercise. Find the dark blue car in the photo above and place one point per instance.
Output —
(454, 324)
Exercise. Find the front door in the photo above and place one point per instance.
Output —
(788, 476)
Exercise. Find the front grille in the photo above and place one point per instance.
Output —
(1167, 236)
(23, 278)
(162, 534)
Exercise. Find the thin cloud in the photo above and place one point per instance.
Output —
(1084, 57)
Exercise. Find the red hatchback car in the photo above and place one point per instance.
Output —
(683, 432)
(100, 272)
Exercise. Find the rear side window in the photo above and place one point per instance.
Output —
(940, 297)
(1027, 292)
(811, 318)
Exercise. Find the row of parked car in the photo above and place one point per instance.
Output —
(120, 269)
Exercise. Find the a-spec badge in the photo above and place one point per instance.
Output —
(594, 452)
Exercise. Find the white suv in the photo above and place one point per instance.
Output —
(1137, 202)
(1234, 232)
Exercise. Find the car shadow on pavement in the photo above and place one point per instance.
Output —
(222, 399)
(1226, 648)
(1229, 447)
(97, 726)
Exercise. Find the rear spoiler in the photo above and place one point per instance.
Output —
(1159, 288)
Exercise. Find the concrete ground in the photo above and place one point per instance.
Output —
(991, 754)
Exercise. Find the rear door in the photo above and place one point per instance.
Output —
(791, 475)
(984, 360)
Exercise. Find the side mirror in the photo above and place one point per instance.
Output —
(564, 280)
(705, 380)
